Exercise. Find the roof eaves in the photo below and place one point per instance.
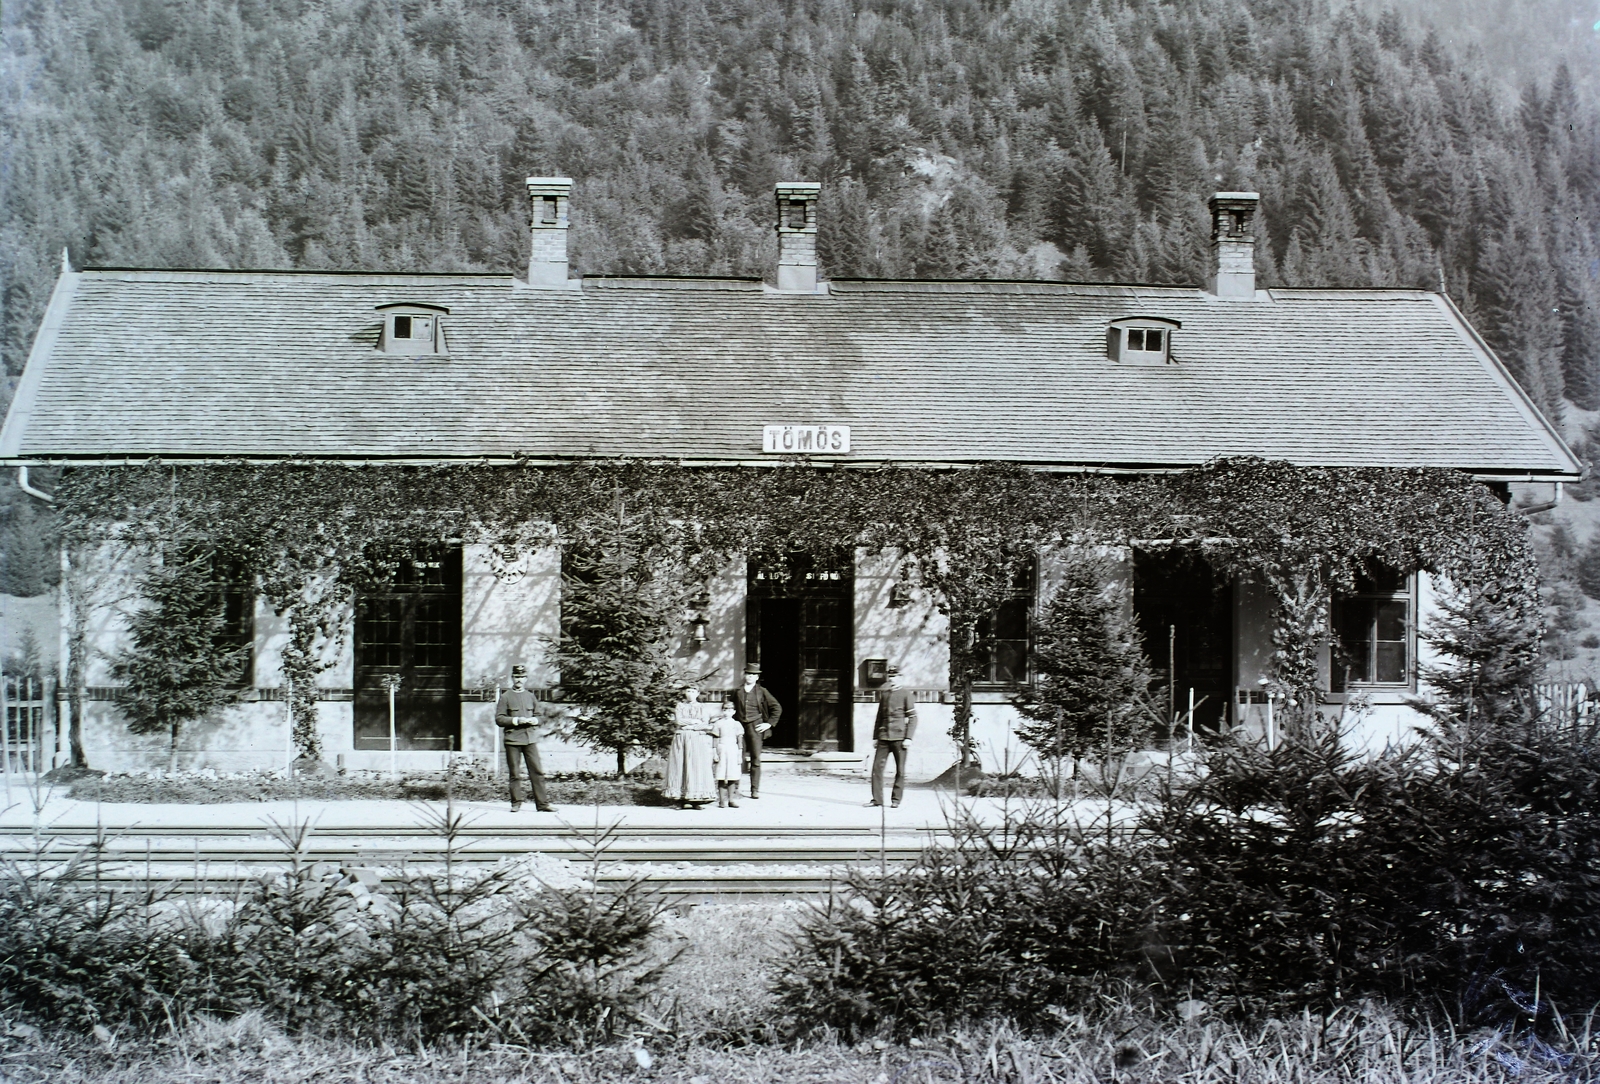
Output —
(1498, 371)
(1010, 286)
(44, 344)
(297, 272)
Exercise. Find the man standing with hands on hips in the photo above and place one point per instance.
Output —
(896, 725)
(756, 710)
(517, 716)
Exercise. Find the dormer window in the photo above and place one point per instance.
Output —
(1141, 339)
(1152, 339)
(412, 329)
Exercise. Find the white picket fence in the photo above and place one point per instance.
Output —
(25, 700)
(1568, 705)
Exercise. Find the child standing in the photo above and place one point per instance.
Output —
(726, 734)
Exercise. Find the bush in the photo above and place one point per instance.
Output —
(1308, 877)
(1462, 875)
(593, 961)
(78, 952)
(445, 951)
(1008, 920)
(288, 948)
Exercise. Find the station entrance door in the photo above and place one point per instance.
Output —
(802, 632)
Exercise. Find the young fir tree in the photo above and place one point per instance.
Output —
(619, 609)
(1093, 692)
(1486, 637)
(180, 666)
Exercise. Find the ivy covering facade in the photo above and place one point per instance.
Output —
(312, 533)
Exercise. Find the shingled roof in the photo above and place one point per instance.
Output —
(261, 364)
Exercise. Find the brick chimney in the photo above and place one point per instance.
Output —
(1233, 244)
(547, 199)
(797, 236)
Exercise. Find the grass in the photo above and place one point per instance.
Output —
(717, 989)
(1121, 1044)
(199, 788)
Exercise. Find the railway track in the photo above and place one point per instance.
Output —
(678, 860)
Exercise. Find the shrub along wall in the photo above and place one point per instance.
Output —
(310, 533)
(1454, 877)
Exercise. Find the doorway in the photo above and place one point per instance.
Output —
(410, 629)
(801, 631)
(1185, 614)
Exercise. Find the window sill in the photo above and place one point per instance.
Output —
(995, 694)
(1372, 694)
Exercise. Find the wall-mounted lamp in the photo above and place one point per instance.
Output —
(900, 594)
(702, 601)
(698, 635)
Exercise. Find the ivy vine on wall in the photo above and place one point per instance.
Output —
(313, 533)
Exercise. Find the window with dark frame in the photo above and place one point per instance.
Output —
(1133, 339)
(822, 634)
(1145, 338)
(1372, 629)
(402, 327)
(234, 595)
(407, 627)
(1004, 637)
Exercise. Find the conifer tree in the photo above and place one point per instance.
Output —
(180, 667)
(1487, 642)
(1093, 689)
(845, 231)
(620, 605)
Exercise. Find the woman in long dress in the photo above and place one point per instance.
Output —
(689, 780)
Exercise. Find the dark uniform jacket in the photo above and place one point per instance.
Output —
(897, 716)
(515, 705)
(757, 705)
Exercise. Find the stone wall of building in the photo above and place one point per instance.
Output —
(510, 617)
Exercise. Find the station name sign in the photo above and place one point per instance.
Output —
(805, 439)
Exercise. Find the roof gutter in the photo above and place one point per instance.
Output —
(708, 463)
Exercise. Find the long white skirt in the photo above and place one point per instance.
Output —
(689, 768)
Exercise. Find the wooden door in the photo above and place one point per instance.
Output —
(410, 629)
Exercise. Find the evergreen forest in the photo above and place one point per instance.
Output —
(1068, 139)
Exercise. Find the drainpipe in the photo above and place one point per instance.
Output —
(22, 483)
(1542, 506)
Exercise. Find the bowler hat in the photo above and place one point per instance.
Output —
(752, 668)
(519, 671)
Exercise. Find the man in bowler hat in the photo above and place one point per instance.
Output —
(756, 710)
(896, 725)
(517, 716)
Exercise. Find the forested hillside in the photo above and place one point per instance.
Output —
(1056, 138)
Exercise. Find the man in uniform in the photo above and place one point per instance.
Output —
(757, 710)
(896, 725)
(517, 716)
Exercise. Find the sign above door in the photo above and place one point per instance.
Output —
(805, 439)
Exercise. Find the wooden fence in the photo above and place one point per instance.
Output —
(1568, 705)
(25, 699)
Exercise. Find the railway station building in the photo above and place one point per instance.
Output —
(222, 366)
